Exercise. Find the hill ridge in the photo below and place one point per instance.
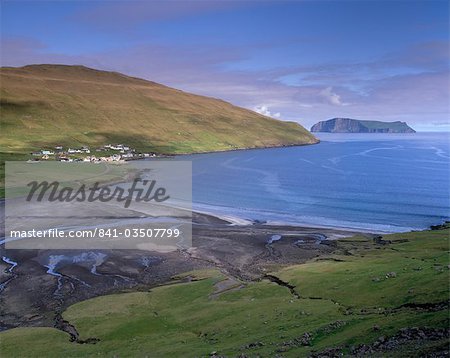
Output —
(45, 105)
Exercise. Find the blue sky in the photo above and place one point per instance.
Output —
(294, 60)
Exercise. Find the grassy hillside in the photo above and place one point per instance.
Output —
(369, 293)
(46, 105)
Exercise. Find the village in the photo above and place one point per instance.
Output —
(117, 153)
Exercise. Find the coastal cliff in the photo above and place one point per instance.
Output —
(348, 125)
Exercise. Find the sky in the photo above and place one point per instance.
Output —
(303, 61)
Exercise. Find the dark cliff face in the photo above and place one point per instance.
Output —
(348, 125)
(339, 125)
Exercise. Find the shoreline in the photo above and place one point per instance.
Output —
(240, 221)
(172, 155)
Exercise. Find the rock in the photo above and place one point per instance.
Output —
(327, 353)
(380, 241)
(443, 226)
(383, 344)
(333, 326)
(253, 345)
(391, 275)
(303, 340)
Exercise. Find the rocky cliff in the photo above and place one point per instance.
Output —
(348, 125)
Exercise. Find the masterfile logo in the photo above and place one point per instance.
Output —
(98, 192)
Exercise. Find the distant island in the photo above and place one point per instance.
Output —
(348, 125)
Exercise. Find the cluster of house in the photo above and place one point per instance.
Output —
(120, 147)
(77, 154)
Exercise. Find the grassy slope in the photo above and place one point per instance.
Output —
(45, 105)
(182, 320)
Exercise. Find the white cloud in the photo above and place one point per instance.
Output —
(332, 97)
(264, 110)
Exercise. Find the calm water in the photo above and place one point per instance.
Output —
(362, 181)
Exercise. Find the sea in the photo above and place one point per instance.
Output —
(373, 182)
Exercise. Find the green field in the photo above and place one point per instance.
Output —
(368, 291)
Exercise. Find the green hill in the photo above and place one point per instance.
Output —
(47, 105)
